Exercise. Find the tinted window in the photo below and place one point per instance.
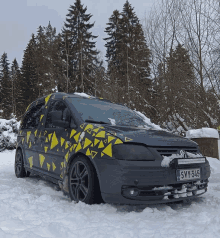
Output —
(56, 105)
(32, 118)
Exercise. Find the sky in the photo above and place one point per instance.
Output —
(20, 18)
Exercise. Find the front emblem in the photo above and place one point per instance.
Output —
(183, 153)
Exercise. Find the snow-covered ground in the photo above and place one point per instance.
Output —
(32, 207)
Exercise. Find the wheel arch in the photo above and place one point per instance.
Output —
(88, 158)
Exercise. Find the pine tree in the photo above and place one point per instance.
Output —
(79, 49)
(6, 87)
(29, 80)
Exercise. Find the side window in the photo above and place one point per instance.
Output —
(32, 117)
(56, 105)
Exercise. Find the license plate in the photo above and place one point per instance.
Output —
(187, 174)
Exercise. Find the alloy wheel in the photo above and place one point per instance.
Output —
(79, 181)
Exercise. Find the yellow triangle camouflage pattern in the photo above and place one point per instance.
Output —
(128, 139)
(93, 153)
(110, 138)
(102, 154)
(79, 147)
(49, 136)
(88, 152)
(47, 98)
(45, 149)
(40, 135)
(46, 140)
(96, 141)
(45, 132)
(23, 141)
(87, 143)
(73, 132)
(30, 159)
(108, 150)
(62, 141)
(82, 126)
(28, 135)
(89, 126)
(118, 141)
(41, 158)
(66, 145)
(54, 141)
(101, 145)
(76, 137)
(53, 166)
(35, 133)
(41, 117)
(30, 144)
(48, 167)
(67, 156)
(62, 165)
(101, 134)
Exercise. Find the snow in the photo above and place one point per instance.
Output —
(8, 133)
(167, 159)
(32, 207)
(148, 121)
(203, 133)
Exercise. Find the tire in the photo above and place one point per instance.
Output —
(19, 166)
(83, 182)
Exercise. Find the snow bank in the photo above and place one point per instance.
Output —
(8, 134)
(203, 133)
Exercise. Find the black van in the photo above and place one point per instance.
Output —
(95, 150)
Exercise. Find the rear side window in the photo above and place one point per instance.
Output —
(32, 117)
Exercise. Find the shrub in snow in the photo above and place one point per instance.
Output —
(8, 134)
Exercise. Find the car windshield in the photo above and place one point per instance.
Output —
(97, 111)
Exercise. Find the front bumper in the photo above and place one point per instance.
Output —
(150, 182)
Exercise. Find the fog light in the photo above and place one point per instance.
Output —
(133, 192)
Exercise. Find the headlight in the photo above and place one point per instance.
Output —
(132, 152)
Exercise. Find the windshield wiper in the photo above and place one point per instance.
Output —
(98, 122)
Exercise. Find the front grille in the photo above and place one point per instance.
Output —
(170, 151)
(167, 152)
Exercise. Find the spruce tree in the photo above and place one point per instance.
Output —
(16, 90)
(181, 91)
(128, 57)
(29, 80)
(115, 83)
(6, 87)
(79, 49)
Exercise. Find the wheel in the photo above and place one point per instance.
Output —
(19, 166)
(83, 181)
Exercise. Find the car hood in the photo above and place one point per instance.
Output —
(149, 137)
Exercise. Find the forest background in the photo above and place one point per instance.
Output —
(165, 65)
